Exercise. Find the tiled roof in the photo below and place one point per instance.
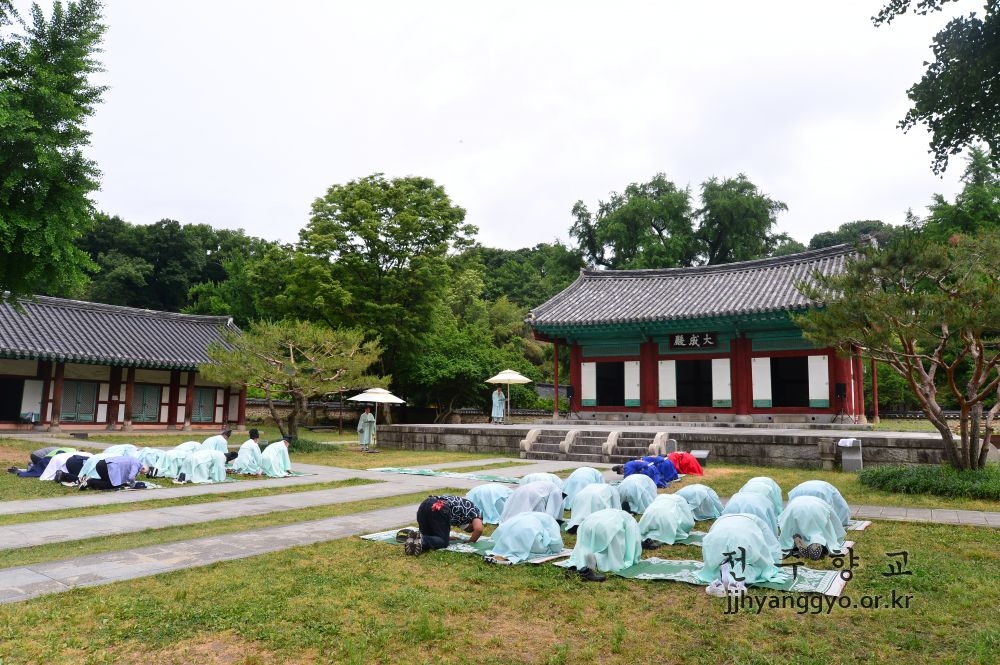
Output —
(600, 297)
(86, 332)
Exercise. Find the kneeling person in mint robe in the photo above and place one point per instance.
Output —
(437, 514)
(637, 492)
(490, 499)
(220, 442)
(274, 460)
(739, 548)
(248, 460)
(577, 480)
(590, 499)
(526, 535)
(611, 537)
(815, 523)
(541, 496)
(704, 501)
(203, 466)
(667, 520)
(115, 472)
(824, 490)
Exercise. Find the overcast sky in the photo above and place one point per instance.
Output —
(239, 113)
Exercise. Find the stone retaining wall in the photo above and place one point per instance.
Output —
(777, 448)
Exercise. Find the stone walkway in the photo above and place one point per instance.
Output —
(21, 583)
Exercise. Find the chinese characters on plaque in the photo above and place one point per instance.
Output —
(694, 340)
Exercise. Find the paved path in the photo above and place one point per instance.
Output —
(34, 580)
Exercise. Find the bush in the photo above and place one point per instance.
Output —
(940, 480)
(300, 445)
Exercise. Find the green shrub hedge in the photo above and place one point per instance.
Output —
(941, 480)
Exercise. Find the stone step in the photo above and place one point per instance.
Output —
(535, 454)
(586, 450)
(590, 459)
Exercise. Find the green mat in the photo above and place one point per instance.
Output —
(806, 580)
(449, 474)
(481, 547)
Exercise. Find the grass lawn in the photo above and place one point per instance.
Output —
(354, 601)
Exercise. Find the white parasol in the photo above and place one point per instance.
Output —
(377, 396)
(508, 376)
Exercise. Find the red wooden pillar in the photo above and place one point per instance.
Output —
(114, 396)
(648, 377)
(241, 418)
(858, 385)
(840, 378)
(555, 379)
(875, 418)
(188, 401)
(45, 374)
(129, 396)
(574, 377)
(57, 396)
(742, 375)
(174, 398)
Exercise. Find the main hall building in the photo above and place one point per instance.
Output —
(709, 343)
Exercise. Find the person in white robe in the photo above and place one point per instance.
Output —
(704, 501)
(220, 442)
(57, 465)
(611, 538)
(274, 461)
(366, 429)
(815, 522)
(499, 406)
(755, 504)
(122, 450)
(541, 496)
(827, 492)
(590, 499)
(577, 480)
(535, 477)
(737, 550)
(768, 487)
(203, 466)
(526, 535)
(490, 499)
(666, 521)
(248, 460)
(637, 492)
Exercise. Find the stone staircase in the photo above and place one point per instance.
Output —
(594, 447)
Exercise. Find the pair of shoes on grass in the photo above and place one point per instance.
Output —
(412, 545)
(589, 572)
(812, 551)
(83, 483)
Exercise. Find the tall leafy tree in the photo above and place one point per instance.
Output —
(736, 221)
(931, 312)
(959, 94)
(853, 231)
(528, 276)
(976, 207)
(649, 225)
(386, 243)
(45, 179)
(296, 361)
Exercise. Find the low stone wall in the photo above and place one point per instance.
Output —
(767, 448)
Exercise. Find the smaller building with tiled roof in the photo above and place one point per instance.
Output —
(718, 341)
(90, 365)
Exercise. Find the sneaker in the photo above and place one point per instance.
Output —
(182, 478)
(59, 476)
(83, 483)
(152, 473)
(404, 534)
(413, 545)
(591, 575)
(812, 551)
(13, 469)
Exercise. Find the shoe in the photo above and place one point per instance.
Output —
(413, 545)
(58, 477)
(650, 544)
(404, 534)
(182, 478)
(591, 575)
(812, 551)
(13, 469)
(152, 473)
(83, 484)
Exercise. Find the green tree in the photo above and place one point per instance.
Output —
(976, 207)
(957, 98)
(735, 221)
(45, 179)
(649, 225)
(852, 232)
(529, 276)
(386, 243)
(931, 312)
(296, 361)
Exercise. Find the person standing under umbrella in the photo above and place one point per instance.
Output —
(499, 406)
(366, 429)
